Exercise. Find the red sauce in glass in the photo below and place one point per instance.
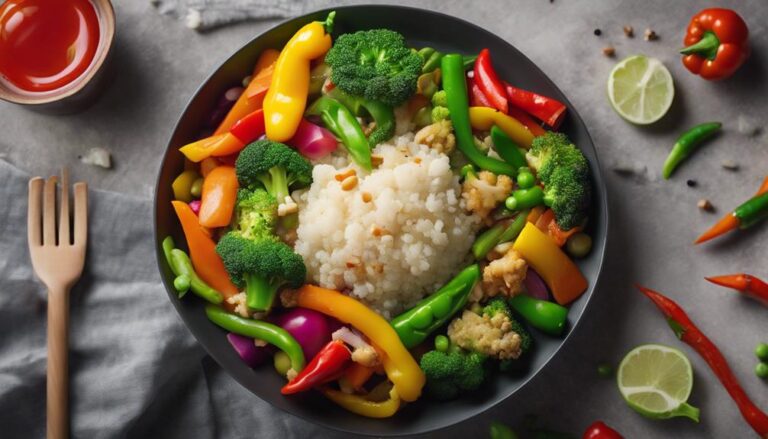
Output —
(46, 44)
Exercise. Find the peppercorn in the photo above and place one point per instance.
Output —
(598, 32)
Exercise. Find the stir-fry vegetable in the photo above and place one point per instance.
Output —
(252, 98)
(182, 185)
(416, 324)
(181, 266)
(507, 148)
(218, 197)
(543, 315)
(326, 366)
(484, 118)
(382, 114)
(287, 95)
(548, 110)
(365, 407)
(687, 143)
(340, 120)
(489, 83)
(312, 141)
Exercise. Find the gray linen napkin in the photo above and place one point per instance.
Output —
(207, 14)
(135, 370)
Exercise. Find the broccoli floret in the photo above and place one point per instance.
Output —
(274, 166)
(440, 99)
(499, 305)
(565, 173)
(453, 372)
(260, 267)
(255, 215)
(375, 64)
(440, 113)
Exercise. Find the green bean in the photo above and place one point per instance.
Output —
(181, 283)
(525, 198)
(487, 241)
(515, 228)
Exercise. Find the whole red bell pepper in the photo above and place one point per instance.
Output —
(687, 331)
(744, 283)
(250, 127)
(599, 430)
(716, 43)
(548, 110)
(327, 365)
(489, 83)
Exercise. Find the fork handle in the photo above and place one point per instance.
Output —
(58, 366)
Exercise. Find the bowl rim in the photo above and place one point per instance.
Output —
(105, 13)
(600, 208)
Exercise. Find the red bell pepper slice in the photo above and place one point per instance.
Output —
(548, 110)
(249, 128)
(687, 331)
(327, 365)
(476, 96)
(489, 83)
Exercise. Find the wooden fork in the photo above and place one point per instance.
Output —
(58, 261)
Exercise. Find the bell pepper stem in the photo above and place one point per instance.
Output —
(707, 46)
(329, 22)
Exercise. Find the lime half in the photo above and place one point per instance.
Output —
(656, 381)
(641, 89)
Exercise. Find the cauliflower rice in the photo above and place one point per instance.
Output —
(399, 234)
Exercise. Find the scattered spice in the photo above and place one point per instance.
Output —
(609, 51)
(629, 32)
(730, 165)
(691, 183)
(598, 32)
(705, 205)
(650, 35)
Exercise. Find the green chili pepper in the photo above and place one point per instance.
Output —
(507, 148)
(525, 198)
(268, 332)
(753, 211)
(687, 143)
(344, 125)
(181, 265)
(415, 325)
(455, 86)
(543, 315)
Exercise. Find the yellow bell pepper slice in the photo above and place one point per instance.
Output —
(286, 98)
(360, 406)
(560, 274)
(483, 118)
(401, 368)
(182, 185)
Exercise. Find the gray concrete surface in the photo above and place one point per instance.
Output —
(160, 64)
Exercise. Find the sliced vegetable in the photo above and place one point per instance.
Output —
(690, 334)
(181, 266)
(535, 285)
(249, 128)
(202, 249)
(182, 185)
(506, 148)
(216, 145)
(207, 165)
(483, 118)
(547, 110)
(219, 197)
(717, 43)
(489, 83)
(326, 366)
(340, 120)
(745, 283)
(355, 377)
(398, 363)
(267, 332)
(563, 277)
(383, 115)
(362, 406)
(286, 98)
(525, 199)
(543, 315)
(312, 141)
(416, 324)
(455, 87)
(247, 350)
(309, 328)
(687, 143)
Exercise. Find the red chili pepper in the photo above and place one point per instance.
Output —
(327, 365)
(744, 283)
(250, 127)
(489, 82)
(687, 331)
(598, 430)
(716, 43)
(548, 110)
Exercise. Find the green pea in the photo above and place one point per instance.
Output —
(511, 203)
(605, 370)
(579, 245)
(421, 318)
(762, 351)
(525, 179)
(197, 188)
(442, 343)
(761, 370)
(282, 362)
(182, 283)
(441, 306)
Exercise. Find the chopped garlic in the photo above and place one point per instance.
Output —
(97, 157)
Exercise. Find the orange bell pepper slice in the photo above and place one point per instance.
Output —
(560, 274)
(250, 101)
(216, 145)
(202, 250)
(219, 197)
(208, 165)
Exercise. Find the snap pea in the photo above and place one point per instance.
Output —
(432, 59)
(687, 143)
(344, 125)
(487, 241)
(545, 316)
(507, 148)
(525, 198)
(415, 325)
(181, 283)
(268, 332)
(514, 228)
(181, 265)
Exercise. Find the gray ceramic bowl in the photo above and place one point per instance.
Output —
(421, 28)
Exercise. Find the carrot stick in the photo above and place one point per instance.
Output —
(542, 223)
(219, 196)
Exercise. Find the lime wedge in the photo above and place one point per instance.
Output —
(641, 89)
(656, 381)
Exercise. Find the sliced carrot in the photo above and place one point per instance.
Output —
(559, 235)
(202, 251)
(219, 197)
(245, 105)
